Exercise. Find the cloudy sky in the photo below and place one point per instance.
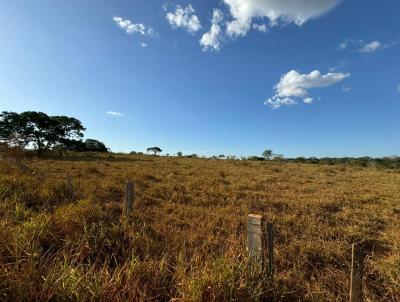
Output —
(304, 78)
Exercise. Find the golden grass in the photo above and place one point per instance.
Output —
(186, 240)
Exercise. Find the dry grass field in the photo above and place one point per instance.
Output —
(186, 239)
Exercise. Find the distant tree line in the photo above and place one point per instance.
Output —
(43, 133)
(39, 131)
(391, 162)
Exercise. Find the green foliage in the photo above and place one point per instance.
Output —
(93, 145)
(11, 129)
(392, 162)
(268, 154)
(45, 132)
(39, 129)
(155, 150)
(71, 145)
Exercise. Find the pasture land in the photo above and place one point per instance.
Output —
(186, 237)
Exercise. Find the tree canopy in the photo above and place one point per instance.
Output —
(155, 150)
(44, 132)
(268, 154)
(95, 146)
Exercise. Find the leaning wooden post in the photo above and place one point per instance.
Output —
(128, 197)
(255, 242)
(357, 266)
(270, 249)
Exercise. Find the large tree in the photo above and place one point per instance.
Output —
(39, 129)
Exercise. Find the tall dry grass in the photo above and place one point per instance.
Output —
(186, 240)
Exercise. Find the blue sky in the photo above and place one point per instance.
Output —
(314, 78)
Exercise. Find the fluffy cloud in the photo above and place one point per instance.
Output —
(286, 11)
(308, 100)
(184, 17)
(131, 28)
(294, 85)
(115, 114)
(212, 38)
(371, 47)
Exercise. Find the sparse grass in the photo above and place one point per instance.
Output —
(186, 240)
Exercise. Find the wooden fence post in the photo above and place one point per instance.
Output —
(270, 249)
(128, 197)
(357, 265)
(255, 241)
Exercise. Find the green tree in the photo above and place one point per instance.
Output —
(179, 154)
(155, 150)
(268, 154)
(37, 128)
(95, 146)
(11, 130)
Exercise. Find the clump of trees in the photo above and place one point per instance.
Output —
(88, 145)
(42, 132)
(269, 155)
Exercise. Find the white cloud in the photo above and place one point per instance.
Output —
(346, 88)
(277, 103)
(115, 114)
(131, 28)
(260, 27)
(371, 47)
(144, 45)
(184, 17)
(294, 85)
(212, 38)
(363, 47)
(276, 11)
